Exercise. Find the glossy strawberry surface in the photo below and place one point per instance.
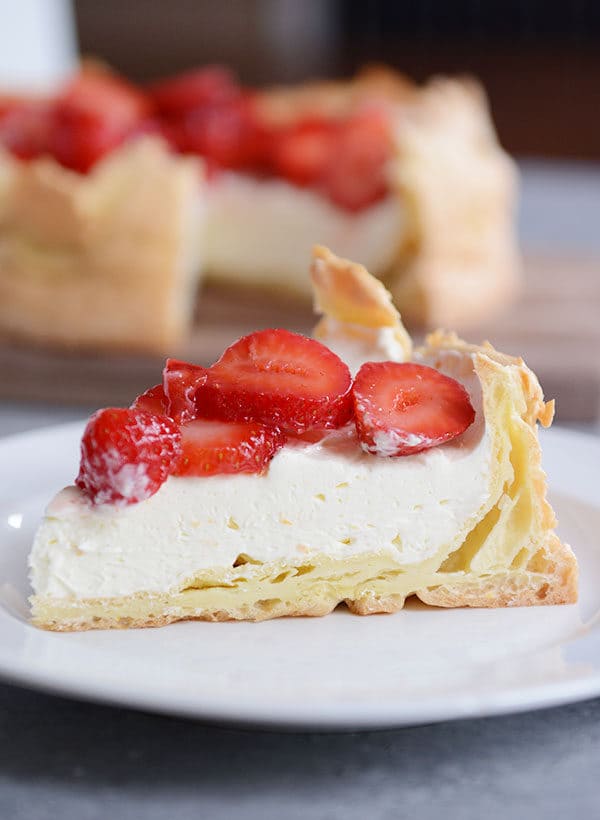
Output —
(126, 455)
(402, 409)
(280, 379)
(216, 447)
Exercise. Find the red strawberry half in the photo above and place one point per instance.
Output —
(126, 455)
(194, 89)
(356, 176)
(280, 379)
(227, 133)
(92, 116)
(401, 409)
(303, 151)
(180, 382)
(211, 447)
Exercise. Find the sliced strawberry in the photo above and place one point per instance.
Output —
(126, 455)
(152, 401)
(226, 132)
(180, 382)
(356, 177)
(93, 115)
(303, 152)
(96, 91)
(401, 409)
(280, 379)
(194, 89)
(78, 142)
(211, 447)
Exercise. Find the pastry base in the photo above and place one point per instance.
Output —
(368, 584)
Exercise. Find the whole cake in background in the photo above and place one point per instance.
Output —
(116, 200)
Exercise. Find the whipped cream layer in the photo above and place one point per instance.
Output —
(318, 498)
(262, 231)
(357, 344)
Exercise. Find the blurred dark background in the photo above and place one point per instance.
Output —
(539, 60)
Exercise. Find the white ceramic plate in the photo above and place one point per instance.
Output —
(338, 672)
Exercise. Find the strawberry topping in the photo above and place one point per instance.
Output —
(401, 409)
(303, 152)
(226, 133)
(193, 89)
(97, 93)
(180, 382)
(280, 379)
(356, 176)
(126, 455)
(152, 401)
(94, 114)
(211, 447)
(346, 159)
(234, 416)
(205, 112)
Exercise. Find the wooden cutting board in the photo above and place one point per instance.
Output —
(554, 325)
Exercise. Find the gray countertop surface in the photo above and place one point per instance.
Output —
(71, 760)
(62, 759)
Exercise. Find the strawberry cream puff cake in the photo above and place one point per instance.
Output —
(295, 474)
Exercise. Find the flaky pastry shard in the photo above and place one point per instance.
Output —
(353, 303)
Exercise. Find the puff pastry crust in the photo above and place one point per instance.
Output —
(458, 262)
(103, 261)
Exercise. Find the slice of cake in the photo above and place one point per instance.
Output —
(99, 221)
(273, 483)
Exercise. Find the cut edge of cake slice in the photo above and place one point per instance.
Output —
(513, 556)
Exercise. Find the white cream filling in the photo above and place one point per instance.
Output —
(262, 231)
(329, 497)
(356, 344)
